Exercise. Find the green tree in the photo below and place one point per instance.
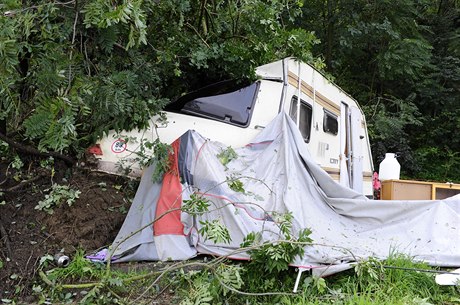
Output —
(73, 70)
(400, 60)
(435, 144)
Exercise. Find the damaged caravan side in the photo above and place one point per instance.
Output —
(330, 121)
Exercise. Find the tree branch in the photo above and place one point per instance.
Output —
(33, 151)
(21, 185)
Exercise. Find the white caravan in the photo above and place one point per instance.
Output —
(330, 121)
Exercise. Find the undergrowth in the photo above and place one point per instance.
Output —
(397, 280)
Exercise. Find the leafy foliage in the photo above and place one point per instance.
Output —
(58, 195)
(199, 293)
(274, 257)
(397, 58)
(235, 184)
(196, 205)
(227, 155)
(53, 124)
(214, 230)
(78, 268)
(71, 71)
(154, 153)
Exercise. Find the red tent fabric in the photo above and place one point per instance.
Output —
(170, 198)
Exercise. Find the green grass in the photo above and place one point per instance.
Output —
(370, 282)
(380, 285)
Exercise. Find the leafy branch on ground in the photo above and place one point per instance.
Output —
(58, 194)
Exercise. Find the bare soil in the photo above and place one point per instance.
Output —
(27, 234)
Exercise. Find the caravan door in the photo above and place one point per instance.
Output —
(345, 171)
(351, 154)
(356, 149)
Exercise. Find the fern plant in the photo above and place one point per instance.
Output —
(53, 123)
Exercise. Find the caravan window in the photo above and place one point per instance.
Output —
(330, 123)
(304, 117)
(233, 108)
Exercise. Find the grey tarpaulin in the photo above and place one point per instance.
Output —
(279, 175)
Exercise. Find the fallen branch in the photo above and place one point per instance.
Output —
(45, 279)
(33, 151)
(67, 286)
(162, 291)
(21, 184)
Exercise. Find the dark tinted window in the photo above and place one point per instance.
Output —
(330, 123)
(234, 107)
(304, 117)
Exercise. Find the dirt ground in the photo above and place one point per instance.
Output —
(27, 234)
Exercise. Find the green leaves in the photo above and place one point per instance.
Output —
(405, 58)
(196, 205)
(53, 124)
(161, 159)
(230, 276)
(235, 184)
(227, 155)
(215, 231)
(103, 14)
(8, 54)
(58, 195)
(200, 294)
(275, 256)
(69, 73)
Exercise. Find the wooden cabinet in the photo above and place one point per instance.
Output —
(417, 190)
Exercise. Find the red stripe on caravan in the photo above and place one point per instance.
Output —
(170, 198)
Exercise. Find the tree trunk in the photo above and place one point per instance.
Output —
(329, 33)
(3, 126)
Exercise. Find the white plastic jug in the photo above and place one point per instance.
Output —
(389, 167)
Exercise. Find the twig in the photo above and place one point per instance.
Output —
(119, 46)
(13, 12)
(69, 85)
(152, 284)
(419, 270)
(64, 3)
(22, 184)
(28, 261)
(87, 58)
(45, 279)
(197, 33)
(115, 294)
(161, 292)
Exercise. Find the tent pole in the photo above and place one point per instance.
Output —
(297, 281)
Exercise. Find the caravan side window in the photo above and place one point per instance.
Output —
(304, 117)
(330, 123)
